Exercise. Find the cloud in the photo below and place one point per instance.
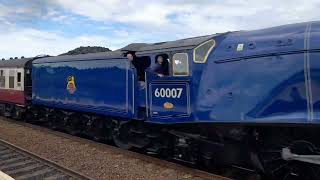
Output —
(31, 42)
(195, 17)
(25, 10)
(56, 26)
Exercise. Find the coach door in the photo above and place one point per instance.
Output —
(19, 80)
(169, 96)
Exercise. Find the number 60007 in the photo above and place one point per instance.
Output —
(168, 93)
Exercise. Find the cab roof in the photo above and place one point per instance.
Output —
(181, 44)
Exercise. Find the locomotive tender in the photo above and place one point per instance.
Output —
(248, 99)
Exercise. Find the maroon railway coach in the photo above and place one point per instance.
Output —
(15, 86)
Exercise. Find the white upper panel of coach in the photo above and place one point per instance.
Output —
(12, 78)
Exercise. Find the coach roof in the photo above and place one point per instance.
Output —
(15, 63)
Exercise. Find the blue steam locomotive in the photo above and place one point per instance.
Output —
(247, 99)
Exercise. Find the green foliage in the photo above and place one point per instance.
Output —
(86, 50)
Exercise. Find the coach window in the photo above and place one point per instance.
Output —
(2, 79)
(19, 79)
(180, 64)
(11, 79)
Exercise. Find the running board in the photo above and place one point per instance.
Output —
(289, 156)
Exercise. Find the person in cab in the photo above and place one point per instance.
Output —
(139, 66)
(160, 67)
(134, 60)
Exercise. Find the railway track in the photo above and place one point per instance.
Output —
(194, 173)
(21, 164)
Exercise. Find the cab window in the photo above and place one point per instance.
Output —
(161, 65)
(180, 65)
(201, 53)
(140, 63)
(143, 62)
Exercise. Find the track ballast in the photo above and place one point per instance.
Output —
(24, 165)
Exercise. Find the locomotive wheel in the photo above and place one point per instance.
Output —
(277, 168)
(98, 129)
(121, 134)
(55, 120)
(75, 125)
(28, 116)
(52, 124)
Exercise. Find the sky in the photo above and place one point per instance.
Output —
(33, 27)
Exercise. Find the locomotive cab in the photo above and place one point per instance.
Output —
(168, 98)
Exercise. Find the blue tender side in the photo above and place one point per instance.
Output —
(95, 85)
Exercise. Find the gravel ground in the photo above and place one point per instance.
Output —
(93, 161)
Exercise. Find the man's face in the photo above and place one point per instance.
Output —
(160, 59)
(130, 57)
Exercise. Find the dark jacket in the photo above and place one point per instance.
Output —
(139, 67)
(159, 69)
